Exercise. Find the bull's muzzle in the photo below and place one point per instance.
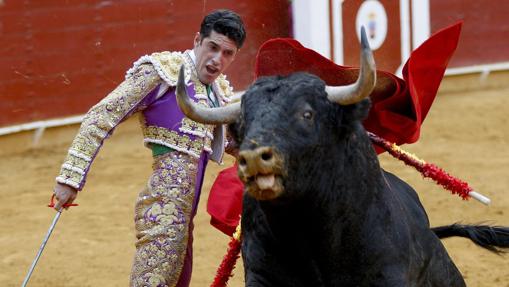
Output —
(260, 170)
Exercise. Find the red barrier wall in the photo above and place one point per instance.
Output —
(59, 57)
(485, 35)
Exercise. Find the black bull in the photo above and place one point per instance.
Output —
(318, 208)
(334, 218)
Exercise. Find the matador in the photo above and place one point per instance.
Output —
(181, 148)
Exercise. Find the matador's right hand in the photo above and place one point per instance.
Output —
(64, 195)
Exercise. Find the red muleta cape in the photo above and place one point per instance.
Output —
(399, 106)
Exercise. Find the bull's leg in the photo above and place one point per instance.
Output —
(441, 270)
(430, 264)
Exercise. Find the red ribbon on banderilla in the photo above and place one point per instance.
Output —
(224, 272)
(429, 170)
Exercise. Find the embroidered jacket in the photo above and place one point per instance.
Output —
(149, 88)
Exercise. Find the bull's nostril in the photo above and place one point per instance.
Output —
(267, 155)
(242, 161)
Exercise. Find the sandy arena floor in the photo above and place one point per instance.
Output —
(467, 134)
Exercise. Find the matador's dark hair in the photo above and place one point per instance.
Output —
(224, 22)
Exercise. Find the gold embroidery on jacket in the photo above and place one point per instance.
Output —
(143, 77)
(100, 120)
(174, 140)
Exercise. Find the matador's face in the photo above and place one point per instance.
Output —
(213, 55)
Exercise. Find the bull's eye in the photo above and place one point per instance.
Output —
(307, 115)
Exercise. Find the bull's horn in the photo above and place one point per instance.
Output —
(351, 94)
(221, 115)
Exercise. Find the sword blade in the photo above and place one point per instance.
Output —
(55, 220)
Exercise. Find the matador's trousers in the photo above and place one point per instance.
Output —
(163, 220)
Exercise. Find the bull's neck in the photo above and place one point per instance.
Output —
(345, 175)
(335, 181)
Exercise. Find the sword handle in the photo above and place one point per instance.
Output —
(52, 203)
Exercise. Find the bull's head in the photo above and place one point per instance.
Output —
(285, 125)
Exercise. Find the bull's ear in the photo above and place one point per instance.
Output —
(358, 111)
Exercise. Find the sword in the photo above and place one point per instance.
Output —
(53, 224)
(46, 238)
